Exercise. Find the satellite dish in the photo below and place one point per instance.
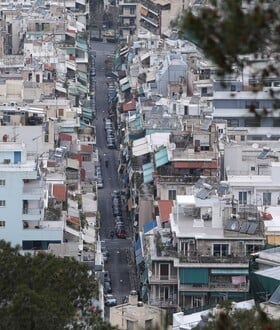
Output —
(255, 146)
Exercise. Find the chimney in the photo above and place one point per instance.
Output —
(133, 298)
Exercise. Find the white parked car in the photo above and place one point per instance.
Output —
(110, 300)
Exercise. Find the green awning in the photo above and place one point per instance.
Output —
(125, 87)
(82, 76)
(86, 110)
(67, 129)
(161, 157)
(194, 276)
(148, 170)
(229, 271)
(87, 115)
(82, 89)
(81, 44)
(70, 50)
(73, 90)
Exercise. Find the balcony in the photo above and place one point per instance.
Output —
(31, 214)
(29, 225)
(214, 287)
(163, 303)
(163, 279)
(32, 192)
(205, 259)
(178, 179)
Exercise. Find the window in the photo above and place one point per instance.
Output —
(266, 198)
(2, 182)
(164, 271)
(203, 91)
(130, 325)
(60, 112)
(252, 248)
(232, 88)
(242, 197)
(186, 110)
(251, 104)
(197, 301)
(164, 293)
(148, 324)
(2, 203)
(2, 224)
(242, 138)
(221, 250)
(172, 194)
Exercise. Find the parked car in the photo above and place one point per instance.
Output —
(116, 193)
(118, 218)
(121, 233)
(110, 300)
(116, 203)
(117, 211)
(106, 277)
(107, 287)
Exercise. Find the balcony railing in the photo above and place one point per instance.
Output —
(213, 259)
(172, 279)
(214, 286)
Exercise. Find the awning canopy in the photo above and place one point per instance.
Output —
(149, 226)
(125, 87)
(124, 81)
(148, 170)
(140, 147)
(213, 164)
(193, 275)
(161, 157)
(138, 251)
(229, 271)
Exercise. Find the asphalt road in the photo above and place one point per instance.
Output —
(118, 249)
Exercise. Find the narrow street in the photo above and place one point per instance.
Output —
(119, 249)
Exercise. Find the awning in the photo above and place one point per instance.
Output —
(82, 76)
(74, 220)
(161, 157)
(193, 276)
(229, 271)
(149, 226)
(124, 81)
(148, 170)
(144, 11)
(165, 209)
(140, 147)
(67, 129)
(125, 87)
(138, 252)
(213, 164)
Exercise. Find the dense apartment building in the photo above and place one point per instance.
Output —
(24, 197)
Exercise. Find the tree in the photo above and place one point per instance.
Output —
(228, 30)
(228, 319)
(43, 291)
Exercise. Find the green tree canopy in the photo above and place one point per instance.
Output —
(228, 29)
(228, 319)
(43, 291)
